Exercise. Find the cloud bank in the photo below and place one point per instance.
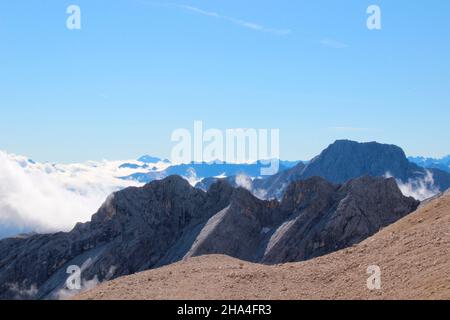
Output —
(46, 197)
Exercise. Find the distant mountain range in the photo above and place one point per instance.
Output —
(196, 172)
(341, 161)
(145, 162)
(150, 159)
(344, 160)
(442, 164)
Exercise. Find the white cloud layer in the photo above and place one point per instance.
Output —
(45, 197)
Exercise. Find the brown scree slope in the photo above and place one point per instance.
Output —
(413, 254)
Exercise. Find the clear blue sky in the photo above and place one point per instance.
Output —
(138, 69)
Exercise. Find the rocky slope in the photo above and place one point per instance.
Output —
(168, 220)
(413, 256)
(344, 160)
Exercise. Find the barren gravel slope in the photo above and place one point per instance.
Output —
(413, 254)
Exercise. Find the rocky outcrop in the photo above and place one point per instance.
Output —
(314, 218)
(165, 221)
(132, 231)
(335, 217)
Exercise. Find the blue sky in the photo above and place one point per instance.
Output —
(139, 69)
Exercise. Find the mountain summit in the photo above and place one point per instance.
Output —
(344, 160)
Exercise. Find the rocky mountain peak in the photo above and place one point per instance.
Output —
(345, 160)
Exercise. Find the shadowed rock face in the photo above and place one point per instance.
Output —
(163, 222)
(130, 232)
(327, 217)
(345, 160)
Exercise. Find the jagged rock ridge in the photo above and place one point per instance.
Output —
(165, 221)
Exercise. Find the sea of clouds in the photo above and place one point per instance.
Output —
(46, 197)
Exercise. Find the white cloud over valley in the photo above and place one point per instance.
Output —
(45, 197)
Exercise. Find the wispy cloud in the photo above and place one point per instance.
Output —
(197, 10)
(239, 22)
(419, 188)
(332, 43)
